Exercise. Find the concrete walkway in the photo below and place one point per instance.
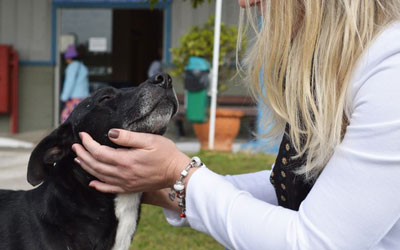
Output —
(13, 168)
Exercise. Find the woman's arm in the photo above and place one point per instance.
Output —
(257, 184)
(351, 206)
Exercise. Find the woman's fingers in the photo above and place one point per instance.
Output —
(111, 179)
(106, 188)
(94, 167)
(131, 139)
(99, 152)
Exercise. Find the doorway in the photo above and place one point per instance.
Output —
(116, 45)
(137, 41)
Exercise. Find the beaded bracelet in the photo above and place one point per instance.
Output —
(178, 190)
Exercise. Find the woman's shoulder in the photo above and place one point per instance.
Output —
(386, 45)
(375, 80)
(389, 35)
(384, 51)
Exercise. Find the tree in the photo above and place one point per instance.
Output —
(199, 42)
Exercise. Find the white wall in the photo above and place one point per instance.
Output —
(86, 23)
(26, 24)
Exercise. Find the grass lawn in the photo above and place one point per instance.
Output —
(155, 233)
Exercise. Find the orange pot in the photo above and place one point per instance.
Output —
(227, 125)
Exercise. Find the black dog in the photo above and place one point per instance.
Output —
(64, 212)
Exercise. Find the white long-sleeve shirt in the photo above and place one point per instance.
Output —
(354, 203)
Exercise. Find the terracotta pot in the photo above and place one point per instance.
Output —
(227, 125)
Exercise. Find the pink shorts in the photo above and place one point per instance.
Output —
(69, 106)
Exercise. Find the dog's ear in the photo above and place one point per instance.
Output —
(50, 150)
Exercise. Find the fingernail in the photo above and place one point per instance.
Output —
(77, 161)
(80, 135)
(73, 148)
(113, 133)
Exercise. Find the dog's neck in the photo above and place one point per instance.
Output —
(70, 208)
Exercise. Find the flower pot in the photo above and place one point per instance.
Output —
(227, 125)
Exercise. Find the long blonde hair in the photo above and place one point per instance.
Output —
(307, 51)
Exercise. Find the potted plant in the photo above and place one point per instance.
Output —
(199, 42)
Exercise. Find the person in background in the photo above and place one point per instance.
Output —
(156, 65)
(76, 83)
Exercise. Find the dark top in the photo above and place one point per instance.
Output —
(291, 189)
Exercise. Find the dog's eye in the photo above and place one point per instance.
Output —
(104, 98)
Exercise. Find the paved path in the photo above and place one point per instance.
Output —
(13, 167)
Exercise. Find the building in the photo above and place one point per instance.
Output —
(119, 39)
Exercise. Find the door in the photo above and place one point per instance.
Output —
(137, 41)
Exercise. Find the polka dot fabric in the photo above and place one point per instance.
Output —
(291, 189)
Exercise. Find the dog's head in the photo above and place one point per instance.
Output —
(146, 108)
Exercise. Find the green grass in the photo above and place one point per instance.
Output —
(155, 233)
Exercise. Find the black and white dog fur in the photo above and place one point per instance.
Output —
(63, 212)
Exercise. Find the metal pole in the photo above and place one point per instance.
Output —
(214, 75)
(57, 19)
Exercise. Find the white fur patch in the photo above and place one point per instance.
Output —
(127, 212)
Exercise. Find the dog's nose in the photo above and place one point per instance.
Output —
(163, 80)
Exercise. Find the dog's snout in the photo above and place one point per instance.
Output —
(163, 80)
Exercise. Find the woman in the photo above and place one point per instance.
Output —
(331, 71)
(76, 83)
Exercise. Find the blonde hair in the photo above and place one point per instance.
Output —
(307, 51)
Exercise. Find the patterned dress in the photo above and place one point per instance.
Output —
(69, 106)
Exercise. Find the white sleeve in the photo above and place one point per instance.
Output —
(353, 204)
(257, 184)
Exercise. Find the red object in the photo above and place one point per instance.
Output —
(9, 85)
(183, 215)
(4, 80)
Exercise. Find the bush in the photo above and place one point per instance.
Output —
(199, 41)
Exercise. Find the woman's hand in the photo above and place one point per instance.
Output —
(149, 163)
